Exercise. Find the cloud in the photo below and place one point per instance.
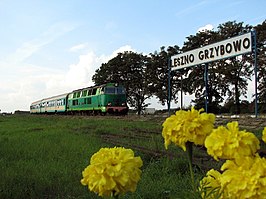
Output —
(80, 74)
(121, 50)
(205, 28)
(23, 82)
(188, 10)
(30, 83)
(78, 47)
(251, 89)
(30, 47)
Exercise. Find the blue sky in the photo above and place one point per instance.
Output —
(49, 47)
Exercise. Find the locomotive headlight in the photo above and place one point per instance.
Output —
(123, 104)
(109, 104)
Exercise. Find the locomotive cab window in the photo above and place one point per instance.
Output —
(114, 90)
(120, 90)
(109, 90)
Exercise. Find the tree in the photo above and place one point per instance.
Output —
(158, 73)
(237, 70)
(194, 80)
(130, 69)
(261, 64)
(225, 77)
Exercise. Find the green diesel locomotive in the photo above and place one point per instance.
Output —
(102, 99)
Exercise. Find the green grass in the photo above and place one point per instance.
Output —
(44, 156)
(41, 158)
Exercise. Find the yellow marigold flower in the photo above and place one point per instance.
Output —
(244, 177)
(264, 135)
(187, 126)
(229, 143)
(112, 171)
(210, 186)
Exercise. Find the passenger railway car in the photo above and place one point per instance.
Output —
(56, 104)
(102, 99)
(35, 107)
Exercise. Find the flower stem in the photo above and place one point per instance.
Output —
(189, 146)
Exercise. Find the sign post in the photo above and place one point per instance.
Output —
(169, 85)
(255, 71)
(206, 86)
(231, 47)
(181, 93)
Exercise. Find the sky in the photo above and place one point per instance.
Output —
(50, 47)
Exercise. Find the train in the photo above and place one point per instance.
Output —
(100, 99)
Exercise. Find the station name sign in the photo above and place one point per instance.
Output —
(227, 48)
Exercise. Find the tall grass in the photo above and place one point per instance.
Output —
(43, 157)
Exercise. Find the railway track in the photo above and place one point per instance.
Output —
(201, 159)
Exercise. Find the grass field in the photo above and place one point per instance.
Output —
(44, 156)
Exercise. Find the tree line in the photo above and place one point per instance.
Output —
(145, 76)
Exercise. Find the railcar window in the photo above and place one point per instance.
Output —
(60, 102)
(94, 91)
(84, 93)
(89, 92)
(87, 100)
(75, 102)
(76, 94)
